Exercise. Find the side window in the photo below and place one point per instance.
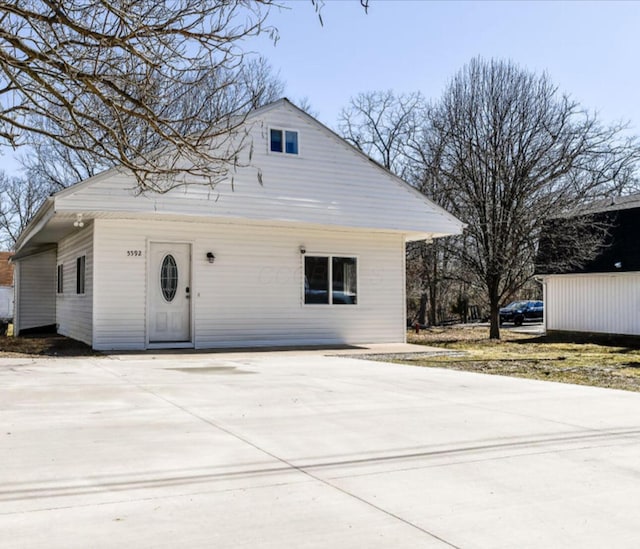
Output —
(344, 279)
(60, 279)
(276, 141)
(80, 274)
(316, 279)
(330, 280)
(291, 142)
(283, 141)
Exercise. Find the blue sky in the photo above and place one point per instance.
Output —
(591, 50)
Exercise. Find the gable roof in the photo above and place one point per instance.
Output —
(330, 183)
(619, 248)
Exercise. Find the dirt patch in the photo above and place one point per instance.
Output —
(43, 345)
(530, 356)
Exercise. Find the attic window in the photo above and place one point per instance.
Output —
(283, 141)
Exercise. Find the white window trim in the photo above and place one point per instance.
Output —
(330, 275)
(284, 142)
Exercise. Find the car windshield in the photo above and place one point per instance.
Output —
(516, 305)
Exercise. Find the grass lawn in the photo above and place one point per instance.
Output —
(536, 357)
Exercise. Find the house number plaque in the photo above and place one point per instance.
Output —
(134, 253)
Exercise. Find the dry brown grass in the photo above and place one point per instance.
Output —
(43, 345)
(535, 357)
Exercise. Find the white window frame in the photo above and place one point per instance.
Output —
(330, 258)
(284, 142)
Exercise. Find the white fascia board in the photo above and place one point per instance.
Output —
(42, 217)
(86, 183)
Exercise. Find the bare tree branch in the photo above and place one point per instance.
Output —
(106, 77)
(384, 125)
(49, 165)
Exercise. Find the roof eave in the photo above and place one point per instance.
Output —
(42, 217)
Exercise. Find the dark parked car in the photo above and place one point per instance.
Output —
(519, 311)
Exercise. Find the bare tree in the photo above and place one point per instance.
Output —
(106, 77)
(432, 276)
(383, 125)
(19, 201)
(390, 128)
(304, 103)
(49, 165)
(509, 152)
(56, 165)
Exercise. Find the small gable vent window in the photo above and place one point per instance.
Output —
(283, 141)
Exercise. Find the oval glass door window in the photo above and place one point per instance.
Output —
(169, 277)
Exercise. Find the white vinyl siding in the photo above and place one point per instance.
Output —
(253, 294)
(74, 311)
(6, 302)
(36, 291)
(606, 303)
(330, 185)
(120, 285)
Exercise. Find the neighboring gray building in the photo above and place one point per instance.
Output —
(603, 295)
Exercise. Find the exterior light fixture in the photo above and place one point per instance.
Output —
(210, 257)
(303, 250)
(78, 222)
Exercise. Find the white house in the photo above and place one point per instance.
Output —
(602, 297)
(313, 255)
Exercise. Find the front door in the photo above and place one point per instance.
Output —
(169, 292)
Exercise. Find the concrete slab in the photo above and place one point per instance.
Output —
(299, 449)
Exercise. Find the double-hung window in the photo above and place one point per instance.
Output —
(330, 280)
(283, 141)
(80, 273)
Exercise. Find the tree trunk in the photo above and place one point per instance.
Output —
(422, 312)
(433, 307)
(494, 307)
(433, 287)
(494, 319)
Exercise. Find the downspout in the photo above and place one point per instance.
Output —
(404, 289)
(543, 281)
(16, 298)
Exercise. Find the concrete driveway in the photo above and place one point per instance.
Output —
(299, 450)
